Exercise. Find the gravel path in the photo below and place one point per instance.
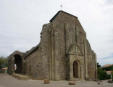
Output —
(9, 81)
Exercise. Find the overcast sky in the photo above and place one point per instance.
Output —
(21, 23)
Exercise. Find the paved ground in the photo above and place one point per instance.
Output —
(9, 81)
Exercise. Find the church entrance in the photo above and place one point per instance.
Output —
(75, 69)
(18, 64)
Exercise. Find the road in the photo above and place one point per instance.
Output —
(9, 81)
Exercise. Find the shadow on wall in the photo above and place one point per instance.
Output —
(18, 64)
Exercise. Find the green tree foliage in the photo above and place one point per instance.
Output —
(112, 76)
(109, 68)
(98, 65)
(102, 75)
(3, 62)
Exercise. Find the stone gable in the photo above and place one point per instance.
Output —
(64, 52)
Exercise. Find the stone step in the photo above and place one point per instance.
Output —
(21, 77)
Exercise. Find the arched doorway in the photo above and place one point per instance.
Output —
(75, 69)
(18, 64)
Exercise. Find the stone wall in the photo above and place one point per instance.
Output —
(63, 42)
(68, 32)
(34, 65)
(11, 62)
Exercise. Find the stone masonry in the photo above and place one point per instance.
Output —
(63, 53)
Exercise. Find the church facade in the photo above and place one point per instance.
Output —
(63, 53)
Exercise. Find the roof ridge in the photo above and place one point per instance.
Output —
(62, 12)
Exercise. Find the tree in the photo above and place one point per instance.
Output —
(112, 76)
(98, 65)
(102, 75)
(3, 62)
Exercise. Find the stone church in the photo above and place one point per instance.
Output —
(63, 53)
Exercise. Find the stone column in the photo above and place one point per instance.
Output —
(85, 59)
(70, 68)
(82, 69)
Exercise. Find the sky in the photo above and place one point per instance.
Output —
(21, 22)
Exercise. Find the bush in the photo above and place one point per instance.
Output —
(102, 75)
(3, 62)
(108, 68)
(112, 76)
(0, 71)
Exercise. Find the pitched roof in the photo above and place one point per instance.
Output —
(63, 13)
(32, 50)
(16, 52)
(107, 65)
(36, 47)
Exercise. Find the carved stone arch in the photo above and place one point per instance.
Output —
(75, 67)
(76, 61)
(74, 49)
